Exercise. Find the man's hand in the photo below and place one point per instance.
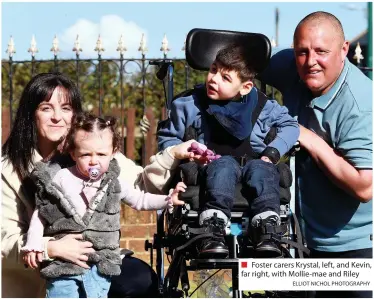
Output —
(266, 159)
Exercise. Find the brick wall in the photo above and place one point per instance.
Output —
(5, 124)
(136, 227)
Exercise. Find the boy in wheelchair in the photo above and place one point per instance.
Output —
(225, 116)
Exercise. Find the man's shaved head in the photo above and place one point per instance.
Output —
(320, 51)
(321, 17)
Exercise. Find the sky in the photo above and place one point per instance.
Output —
(66, 20)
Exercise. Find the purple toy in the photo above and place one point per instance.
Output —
(197, 148)
(201, 149)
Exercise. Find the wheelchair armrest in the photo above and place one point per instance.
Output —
(285, 175)
(294, 149)
(191, 196)
(126, 252)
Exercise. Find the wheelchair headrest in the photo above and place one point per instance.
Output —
(202, 46)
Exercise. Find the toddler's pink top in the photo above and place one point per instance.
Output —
(80, 191)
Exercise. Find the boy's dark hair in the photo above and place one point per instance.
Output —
(23, 141)
(90, 123)
(235, 57)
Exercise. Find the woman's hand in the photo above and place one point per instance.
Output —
(202, 154)
(181, 152)
(71, 249)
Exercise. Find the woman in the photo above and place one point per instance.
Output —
(43, 119)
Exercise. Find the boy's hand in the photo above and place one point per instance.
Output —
(266, 159)
(32, 259)
(181, 187)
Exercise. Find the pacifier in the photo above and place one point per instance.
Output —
(93, 172)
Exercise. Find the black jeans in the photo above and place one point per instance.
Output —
(137, 280)
(360, 253)
(260, 182)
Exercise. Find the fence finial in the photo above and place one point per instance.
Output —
(184, 45)
(145, 125)
(358, 56)
(99, 46)
(273, 42)
(55, 48)
(33, 49)
(121, 48)
(77, 46)
(143, 47)
(164, 45)
(11, 47)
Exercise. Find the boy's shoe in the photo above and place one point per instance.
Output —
(214, 247)
(267, 248)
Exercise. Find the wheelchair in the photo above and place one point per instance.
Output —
(178, 231)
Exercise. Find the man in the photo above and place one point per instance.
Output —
(332, 100)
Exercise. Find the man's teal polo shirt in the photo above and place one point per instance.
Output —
(332, 220)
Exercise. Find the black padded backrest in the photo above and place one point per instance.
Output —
(202, 46)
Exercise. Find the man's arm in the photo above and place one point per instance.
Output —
(356, 182)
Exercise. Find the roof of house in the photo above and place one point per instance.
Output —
(362, 38)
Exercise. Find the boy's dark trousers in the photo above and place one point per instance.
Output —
(260, 181)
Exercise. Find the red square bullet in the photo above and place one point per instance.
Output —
(244, 264)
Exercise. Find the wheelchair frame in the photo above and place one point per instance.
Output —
(178, 268)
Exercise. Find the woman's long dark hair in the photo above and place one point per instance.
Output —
(22, 141)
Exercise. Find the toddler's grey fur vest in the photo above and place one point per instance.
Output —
(100, 224)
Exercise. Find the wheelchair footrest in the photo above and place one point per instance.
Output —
(196, 264)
